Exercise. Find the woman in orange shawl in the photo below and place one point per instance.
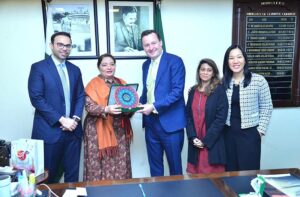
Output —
(108, 131)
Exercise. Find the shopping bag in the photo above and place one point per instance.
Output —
(28, 154)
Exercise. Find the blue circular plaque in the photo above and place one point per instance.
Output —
(127, 97)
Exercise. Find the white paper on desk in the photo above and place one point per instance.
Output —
(286, 183)
(70, 193)
(80, 191)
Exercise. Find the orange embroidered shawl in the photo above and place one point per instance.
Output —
(98, 91)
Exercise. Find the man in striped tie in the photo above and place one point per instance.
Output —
(163, 105)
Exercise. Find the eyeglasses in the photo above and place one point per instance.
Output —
(61, 45)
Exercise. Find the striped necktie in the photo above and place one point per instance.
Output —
(151, 83)
(64, 81)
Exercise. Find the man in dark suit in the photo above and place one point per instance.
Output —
(56, 92)
(163, 105)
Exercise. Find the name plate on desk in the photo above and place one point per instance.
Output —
(124, 95)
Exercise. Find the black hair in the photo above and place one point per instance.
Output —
(227, 72)
(150, 31)
(215, 80)
(101, 57)
(128, 9)
(60, 33)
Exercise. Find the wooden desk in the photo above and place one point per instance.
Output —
(42, 178)
(216, 178)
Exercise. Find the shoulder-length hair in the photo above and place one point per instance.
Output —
(227, 72)
(214, 81)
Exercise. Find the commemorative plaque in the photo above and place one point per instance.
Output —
(124, 95)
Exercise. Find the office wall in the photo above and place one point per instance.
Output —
(194, 29)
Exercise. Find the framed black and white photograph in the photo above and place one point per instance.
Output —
(126, 20)
(79, 18)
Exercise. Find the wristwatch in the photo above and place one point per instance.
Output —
(76, 118)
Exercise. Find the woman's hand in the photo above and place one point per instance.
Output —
(113, 109)
(260, 134)
(198, 143)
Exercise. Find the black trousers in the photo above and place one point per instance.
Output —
(243, 148)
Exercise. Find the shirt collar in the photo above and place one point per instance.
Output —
(241, 81)
(157, 60)
(56, 61)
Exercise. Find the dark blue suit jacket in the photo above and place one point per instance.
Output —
(47, 97)
(216, 109)
(169, 86)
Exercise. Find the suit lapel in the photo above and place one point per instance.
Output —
(162, 67)
(147, 66)
(125, 33)
(54, 73)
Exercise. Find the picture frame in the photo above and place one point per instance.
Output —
(77, 17)
(124, 41)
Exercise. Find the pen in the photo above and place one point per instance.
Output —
(141, 187)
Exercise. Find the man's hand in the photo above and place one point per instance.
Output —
(147, 109)
(67, 124)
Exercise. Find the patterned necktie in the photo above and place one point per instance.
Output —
(66, 88)
(151, 83)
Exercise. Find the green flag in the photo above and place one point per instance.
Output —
(158, 23)
(49, 30)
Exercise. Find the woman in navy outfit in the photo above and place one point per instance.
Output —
(207, 108)
(250, 109)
